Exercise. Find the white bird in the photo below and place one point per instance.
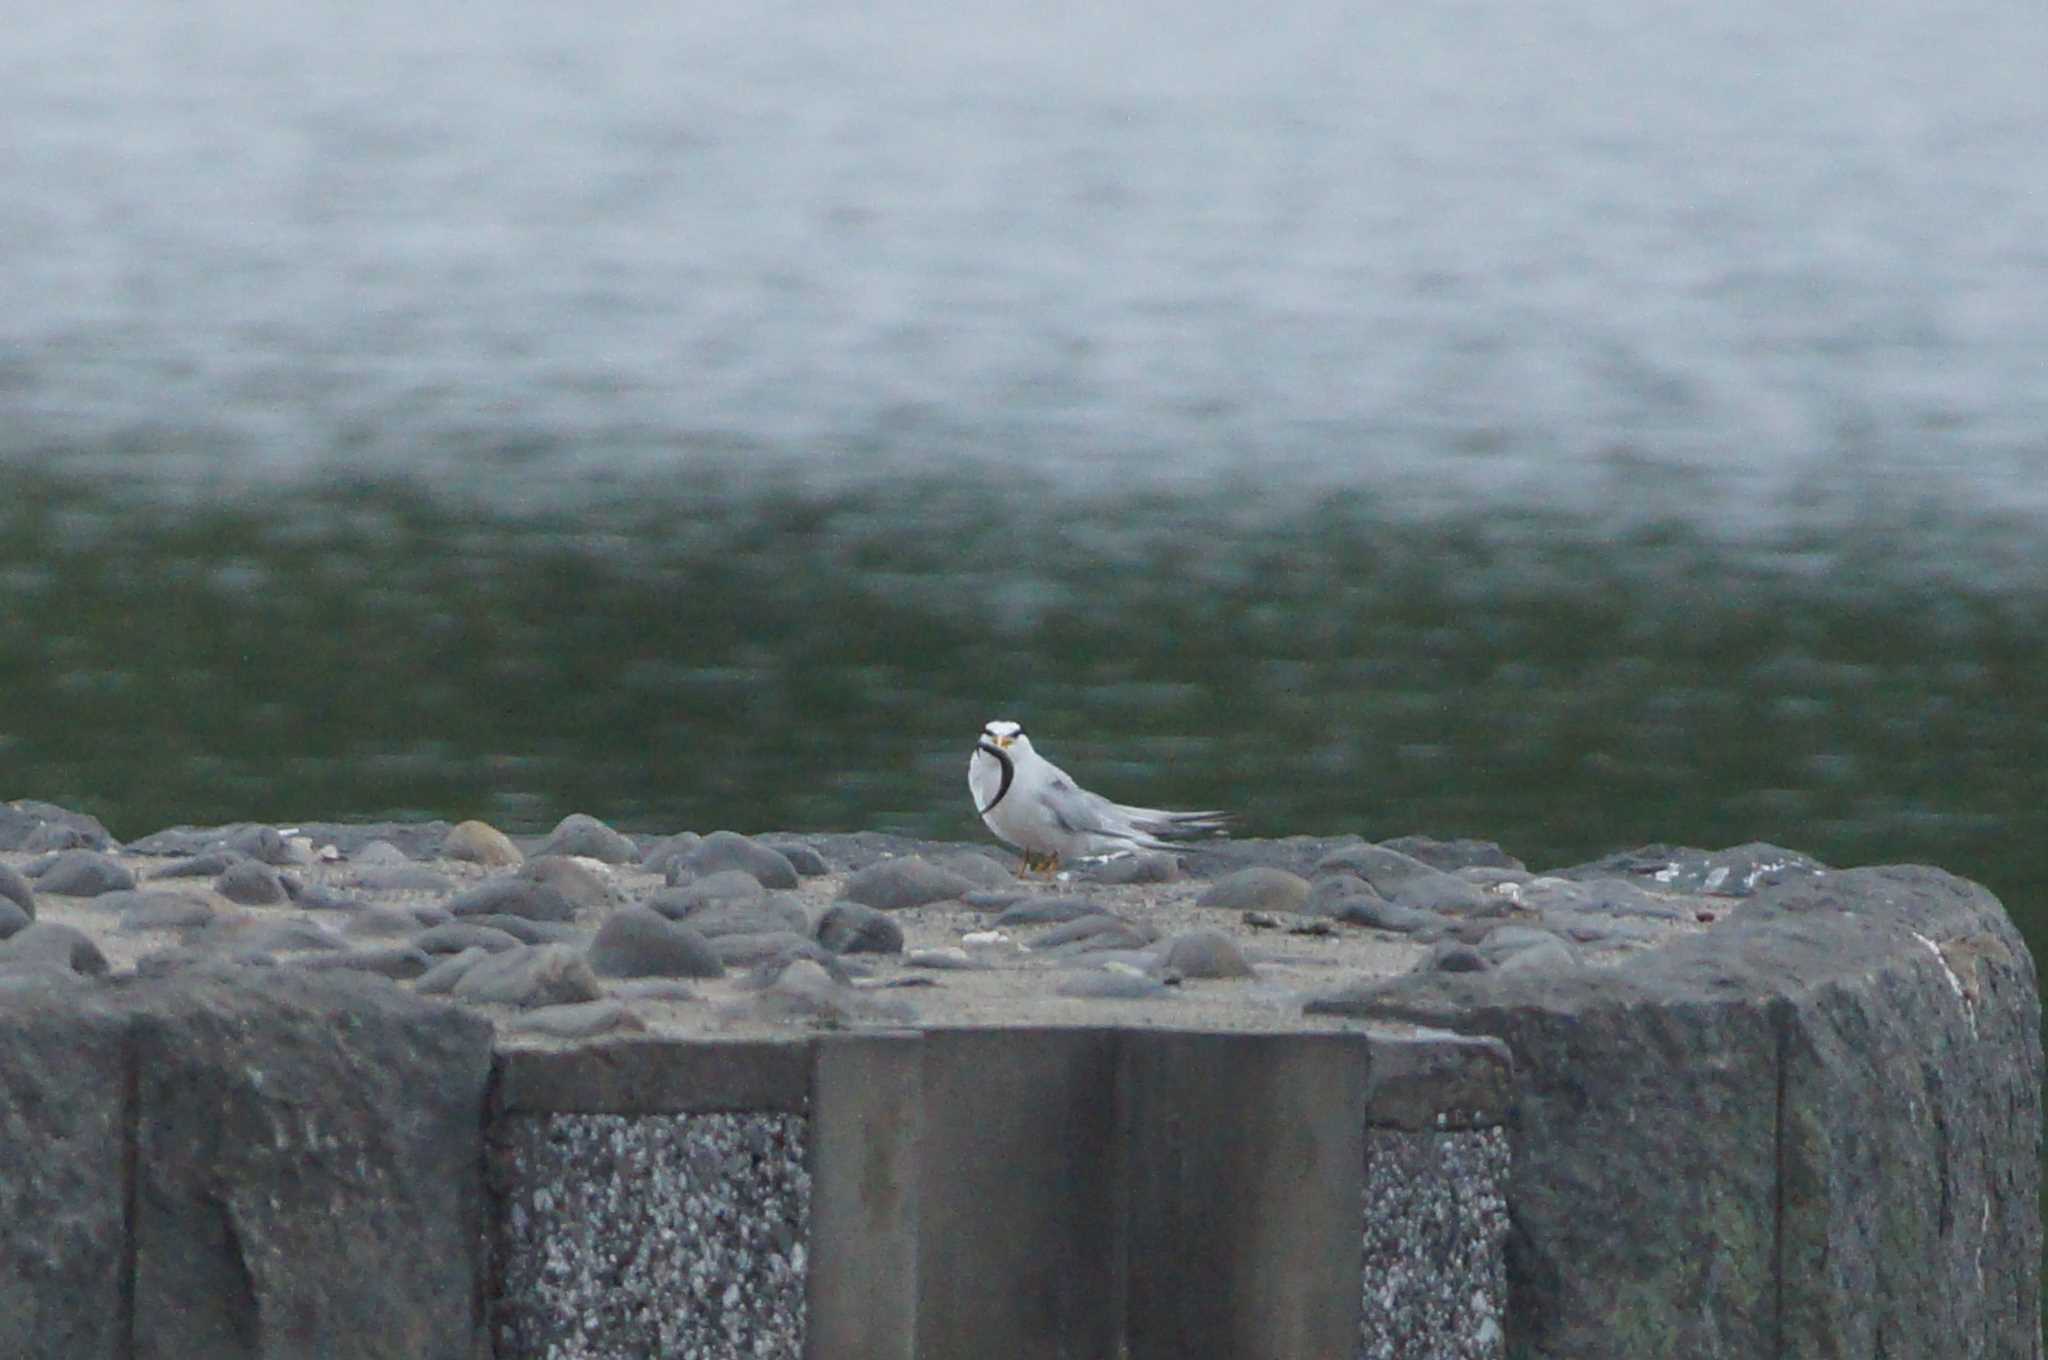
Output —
(1033, 804)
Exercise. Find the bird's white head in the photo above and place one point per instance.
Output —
(1005, 736)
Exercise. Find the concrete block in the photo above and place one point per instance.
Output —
(64, 1163)
(646, 1075)
(1439, 1080)
(868, 1109)
(1020, 1195)
(1244, 1166)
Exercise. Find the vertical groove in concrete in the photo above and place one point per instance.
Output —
(1246, 1174)
(868, 1115)
(131, 1135)
(1781, 1015)
(487, 1276)
(1017, 1173)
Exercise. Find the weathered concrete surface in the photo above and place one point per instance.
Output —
(1244, 1180)
(65, 1122)
(1813, 1130)
(1019, 1194)
(308, 1175)
(268, 1166)
(869, 1101)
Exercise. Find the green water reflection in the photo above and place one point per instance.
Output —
(721, 654)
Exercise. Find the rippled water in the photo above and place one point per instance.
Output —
(1745, 262)
(1573, 425)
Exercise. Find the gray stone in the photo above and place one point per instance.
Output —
(1737, 871)
(726, 887)
(320, 897)
(26, 824)
(578, 834)
(291, 1132)
(722, 850)
(714, 921)
(403, 878)
(14, 888)
(529, 932)
(636, 942)
(1551, 954)
(894, 884)
(944, 960)
(1385, 869)
(669, 851)
(457, 936)
(440, 979)
(806, 861)
(267, 937)
(481, 843)
(1612, 897)
(1453, 855)
(1602, 931)
(658, 1234)
(1330, 890)
(982, 870)
(587, 889)
(386, 921)
(12, 917)
(251, 884)
(1092, 933)
(652, 989)
(399, 961)
(745, 950)
(512, 895)
(1502, 941)
(1256, 889)
(205, 864)
(1045, 911)
(850, 928)
(1141, 866)
(57, 944)
(1204, 954)
(802, 989)
(142, 911)
(1376, 913)
(528, 977)
(84, 873)
(1096, 985)
(1448, 895)
(1454, 956)
(263, 843)
(579, 1020)
(419, 840)
(380, 852)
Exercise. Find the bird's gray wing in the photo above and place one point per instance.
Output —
(1075, 809)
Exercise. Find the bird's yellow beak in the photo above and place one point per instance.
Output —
(1005, 742)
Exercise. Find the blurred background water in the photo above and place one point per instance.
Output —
(1573, 425)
